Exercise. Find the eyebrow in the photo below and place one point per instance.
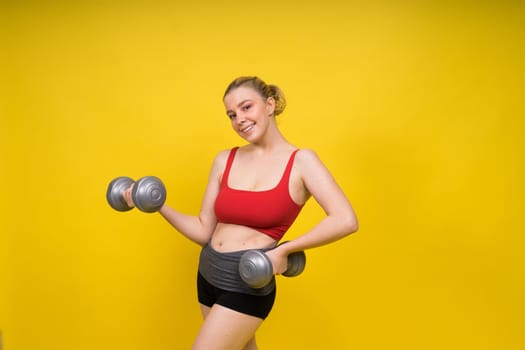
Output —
(238, 105)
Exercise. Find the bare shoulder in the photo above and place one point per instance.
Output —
(311, 168)
(306, 153)
(219, 162)
(307, 159)
(221, 156)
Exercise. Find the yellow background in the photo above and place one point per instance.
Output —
(417, 110)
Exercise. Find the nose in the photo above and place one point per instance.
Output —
(240, 118)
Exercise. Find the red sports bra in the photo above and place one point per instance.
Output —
(271, 212)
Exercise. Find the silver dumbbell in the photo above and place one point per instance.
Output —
(256, 269)
(148, 193)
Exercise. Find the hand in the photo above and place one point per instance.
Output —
(127, 196)
(279, 260)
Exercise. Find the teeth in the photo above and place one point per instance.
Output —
(247, 128)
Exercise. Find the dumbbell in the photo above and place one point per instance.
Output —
(256, 269)
(148, 193)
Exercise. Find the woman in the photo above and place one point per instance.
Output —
(254, 194)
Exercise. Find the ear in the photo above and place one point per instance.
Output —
(270, 106)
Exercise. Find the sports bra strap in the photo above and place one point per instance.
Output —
(229, 163)
(288, 169)
(284, 179)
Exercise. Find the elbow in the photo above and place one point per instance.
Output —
(349, 224)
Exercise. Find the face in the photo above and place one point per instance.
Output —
(249, 112)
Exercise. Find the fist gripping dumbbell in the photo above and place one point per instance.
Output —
(148, 193)
(256, 269)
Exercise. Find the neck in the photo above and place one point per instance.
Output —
(272, 142)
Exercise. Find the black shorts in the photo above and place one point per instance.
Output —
(254, 305)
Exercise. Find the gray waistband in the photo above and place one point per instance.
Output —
(222, 270)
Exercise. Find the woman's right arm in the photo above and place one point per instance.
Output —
(199, 228)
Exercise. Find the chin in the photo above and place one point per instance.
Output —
(250, 138)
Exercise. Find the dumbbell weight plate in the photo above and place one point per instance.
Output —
(114, 194)
(255, 269)
(149, 194)
(296, 264)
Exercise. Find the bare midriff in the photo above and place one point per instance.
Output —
(231, 237)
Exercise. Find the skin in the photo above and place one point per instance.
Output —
(258, 166)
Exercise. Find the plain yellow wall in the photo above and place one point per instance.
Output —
(417, 110)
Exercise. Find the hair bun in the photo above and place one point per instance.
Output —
(278, 96)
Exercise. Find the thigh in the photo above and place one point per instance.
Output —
(226, 329)
(205, 310)
(251, 345)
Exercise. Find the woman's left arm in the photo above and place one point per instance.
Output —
(340, 220)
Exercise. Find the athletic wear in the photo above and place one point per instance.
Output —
(254, 305)
(271, 212)
(221, 269)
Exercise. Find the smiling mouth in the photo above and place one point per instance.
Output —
(248, 128)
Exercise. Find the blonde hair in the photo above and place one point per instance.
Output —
(265, 90)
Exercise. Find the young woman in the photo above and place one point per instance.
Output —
(253, 195)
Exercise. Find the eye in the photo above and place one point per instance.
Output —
(231, 115)
(246, 107)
